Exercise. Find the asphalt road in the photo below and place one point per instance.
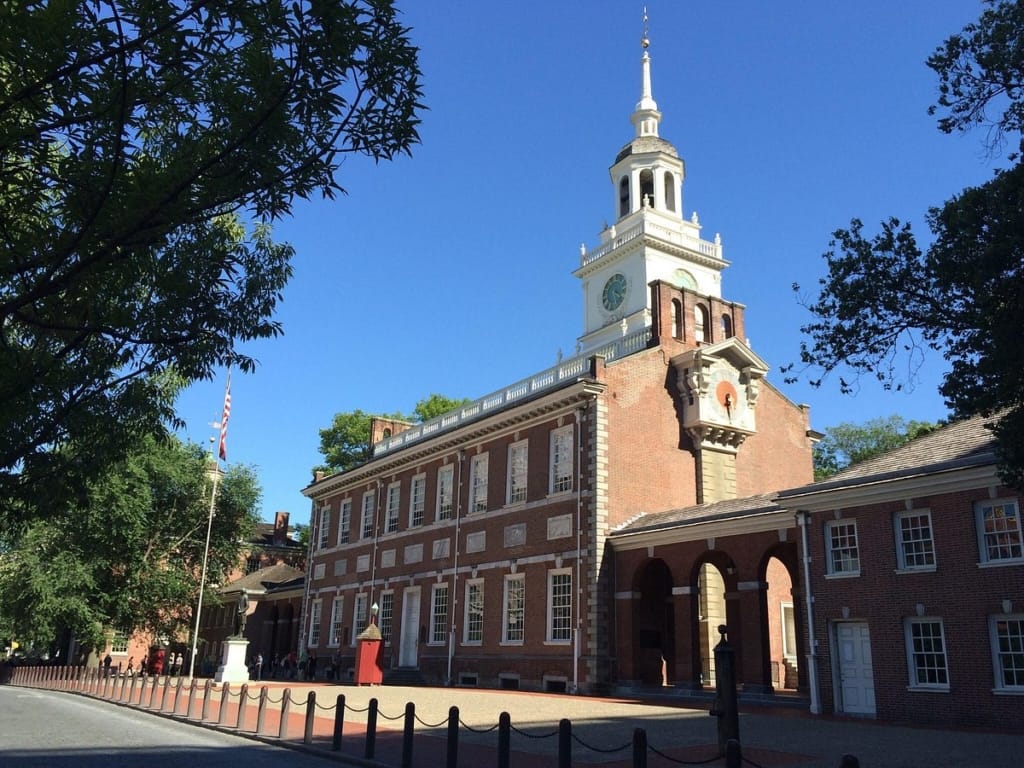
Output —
(46, 729)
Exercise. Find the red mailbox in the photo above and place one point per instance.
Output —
(369, 655)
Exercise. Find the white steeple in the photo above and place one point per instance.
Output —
(646, 115)
(649, 238)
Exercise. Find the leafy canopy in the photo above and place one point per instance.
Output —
(145, 149)
(885, 301)
(847, 443)
(346, 443)
(130, 556)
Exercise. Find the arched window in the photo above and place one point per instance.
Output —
(646, 189)
(624, 196)
(670, 192)
(387, 432)
(726, 327)
(677, 319)
(700, 318)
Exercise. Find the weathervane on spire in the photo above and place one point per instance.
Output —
(644, 41)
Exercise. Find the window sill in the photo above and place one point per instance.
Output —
(472, 643)
(850, 575)
(1008, 691)
(928, 688)
(920, 569)
(560, 494)
(1001, 563)
(558, 643)
(511, 643)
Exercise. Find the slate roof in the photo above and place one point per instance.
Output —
(729, 509)
(264, 579)
(959, 445)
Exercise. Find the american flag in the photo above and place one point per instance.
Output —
(224, 421)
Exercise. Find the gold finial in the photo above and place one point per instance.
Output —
(644, 41)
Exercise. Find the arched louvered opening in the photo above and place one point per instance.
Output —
(624, 196)
(670, 192)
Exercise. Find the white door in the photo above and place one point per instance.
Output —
(856, 678)
(407, 653)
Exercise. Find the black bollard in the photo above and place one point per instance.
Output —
(564, 743)
(733, 758)
(371, 730)
(726, 707)
(504, 739)
(452, 760)
(849, 761)
(307, 733)
(639, 748)
(339, 722)
(407, 733)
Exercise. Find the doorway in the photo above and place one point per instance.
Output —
(856, 689)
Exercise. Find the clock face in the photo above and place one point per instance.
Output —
(614, 292)
(724, 394)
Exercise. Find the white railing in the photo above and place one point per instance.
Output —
(706, 248)
(566, 371)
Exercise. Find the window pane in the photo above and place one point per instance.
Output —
(560, 608)
(928, 654)
(515, 608)
(915, 535)
(439, 614)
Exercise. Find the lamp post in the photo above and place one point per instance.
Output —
(374, 610)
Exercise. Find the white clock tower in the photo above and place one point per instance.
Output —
(650, 239)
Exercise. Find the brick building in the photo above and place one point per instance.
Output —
(916, 575)
(516, 542)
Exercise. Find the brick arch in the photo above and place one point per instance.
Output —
(787, 554)
(654, 621)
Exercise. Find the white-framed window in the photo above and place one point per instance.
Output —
(445, 483)
(559, 606)
(478, 483)
(368, 510)
(1007, 634)
(119, 641)
(788, 621)
(417, 500)
(386, 616)
(999, 531)
(337, 616)
(926, 654)
(517, 464)
(842, 553)
(325, 525)
(438, 614)
(391, 511)
(314, 623)
(561, 469)
(915, 547)
(514, 623)
(358, 616)
(345, 521)
(474, 621)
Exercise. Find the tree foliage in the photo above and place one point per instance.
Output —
(885, 301)
(346, 443)
(130, 556)
(145, 148)
(847, 443)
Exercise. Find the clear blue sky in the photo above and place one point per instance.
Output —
(450, 271)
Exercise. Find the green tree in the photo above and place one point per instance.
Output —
(130, 556)
(145, 149)
(884, 300)
(847, 443)
(346, 443)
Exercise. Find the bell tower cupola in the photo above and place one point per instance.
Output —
(650, 238)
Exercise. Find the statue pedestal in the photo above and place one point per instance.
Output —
(233, 668)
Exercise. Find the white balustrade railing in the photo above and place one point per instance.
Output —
(706, 248)
(552, 378)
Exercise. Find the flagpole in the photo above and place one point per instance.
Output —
(213, 465)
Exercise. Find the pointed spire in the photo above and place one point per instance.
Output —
(646, 115)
